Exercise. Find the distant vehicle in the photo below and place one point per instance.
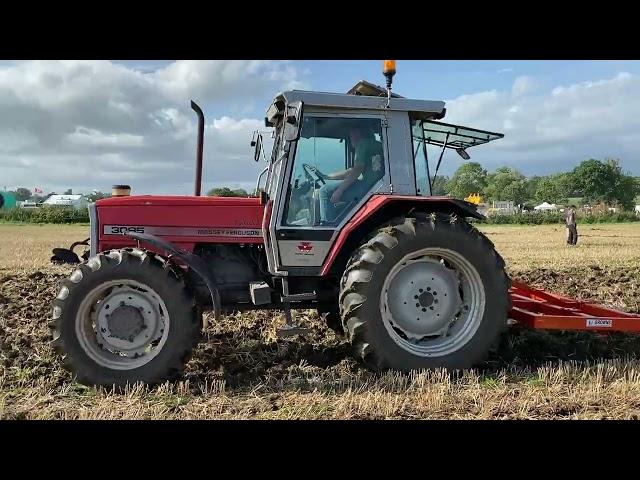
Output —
(28, 204)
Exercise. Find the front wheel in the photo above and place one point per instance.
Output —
(425, 293)
(122, 318)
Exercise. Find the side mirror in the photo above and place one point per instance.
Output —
(257, 143)
(462, 152)
(293, 122)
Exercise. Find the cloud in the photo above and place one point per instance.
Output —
(547, 131)
(91, 137)
(90, 124)
(522, 85)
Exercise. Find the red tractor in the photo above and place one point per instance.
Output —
(344, 223)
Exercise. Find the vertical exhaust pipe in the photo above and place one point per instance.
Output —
(199, 148)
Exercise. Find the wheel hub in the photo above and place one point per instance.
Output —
(424, 297)
(432, 301)
(125, 323)
(128, 321)
(122, 324)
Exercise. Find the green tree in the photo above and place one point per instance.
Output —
(566, 186)
(532, 186)
(507, 184)
(440, 185)
(604, 182)
(469, 178)
(22, 194)
(227, 192)
(552, 189)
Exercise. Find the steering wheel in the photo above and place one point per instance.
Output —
(312, 173)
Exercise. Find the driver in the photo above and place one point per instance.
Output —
(368, 163)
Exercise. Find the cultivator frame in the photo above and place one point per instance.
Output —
(541, 310)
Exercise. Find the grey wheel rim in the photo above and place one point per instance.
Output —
(432, 302)
(122, 324)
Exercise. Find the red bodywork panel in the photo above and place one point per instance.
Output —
(187, 220)
(376, 202)
(180, 220)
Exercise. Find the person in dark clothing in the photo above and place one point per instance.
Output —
(572, 227)
(368, 163)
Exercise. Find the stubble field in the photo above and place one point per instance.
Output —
(242, 371)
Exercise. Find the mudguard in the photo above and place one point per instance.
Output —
(378, 205)
(194, 262)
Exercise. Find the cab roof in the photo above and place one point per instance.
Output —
(367, 96)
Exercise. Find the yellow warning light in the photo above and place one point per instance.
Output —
(389, 67)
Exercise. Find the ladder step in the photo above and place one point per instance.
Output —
(291, 330)
(298, 297)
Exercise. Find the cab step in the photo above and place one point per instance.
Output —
(291, 329)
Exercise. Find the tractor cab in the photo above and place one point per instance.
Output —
(334, 152)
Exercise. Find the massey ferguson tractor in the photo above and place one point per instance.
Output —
(343, 221)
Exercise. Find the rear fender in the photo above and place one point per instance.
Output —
(381, 208)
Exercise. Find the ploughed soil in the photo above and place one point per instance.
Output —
(241, 357)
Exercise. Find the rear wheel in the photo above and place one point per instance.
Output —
(425, 293)
(123, 318)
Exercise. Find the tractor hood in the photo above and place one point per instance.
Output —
(176, 200)
(183, 221)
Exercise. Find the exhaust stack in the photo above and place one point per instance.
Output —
(199, 148)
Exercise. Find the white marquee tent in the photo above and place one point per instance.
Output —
(545, 206)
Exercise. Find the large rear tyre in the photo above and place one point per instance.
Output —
(121, 318)
(428, 292)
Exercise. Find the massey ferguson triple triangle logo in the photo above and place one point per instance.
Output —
(305, 247)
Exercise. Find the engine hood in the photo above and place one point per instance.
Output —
(177, 201)
(181, 220)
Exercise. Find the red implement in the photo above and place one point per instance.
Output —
(541, 310)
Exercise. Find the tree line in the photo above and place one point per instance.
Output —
(22, 194)
(595, 181)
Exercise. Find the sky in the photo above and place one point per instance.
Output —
(87, 125)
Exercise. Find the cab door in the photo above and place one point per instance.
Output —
(307, 214)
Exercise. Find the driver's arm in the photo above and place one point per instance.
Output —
(350, 176)
(338, 175)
